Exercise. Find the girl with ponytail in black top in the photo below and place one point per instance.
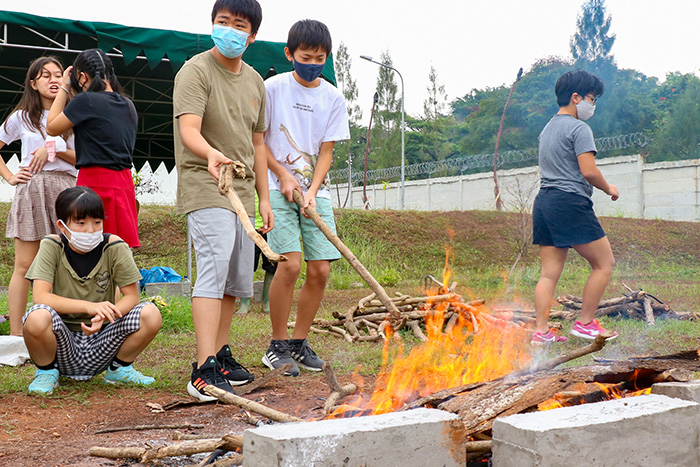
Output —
(104, 122)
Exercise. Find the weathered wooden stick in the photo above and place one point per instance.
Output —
(186, 448)
(648, 311)
(396, 318)
(417, 331)
(335, 396)
(595, 346)
(363, 301)
(147, 427)
(226, 188)
(406, 300)
(479, 446)
(228, 398)
(330, 377)
(260, 382)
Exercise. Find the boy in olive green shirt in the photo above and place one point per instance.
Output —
(219, 110)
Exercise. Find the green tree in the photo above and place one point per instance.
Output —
(386, 135)
(678, 129)
(346, 83)
(436, 103)
(592, 40)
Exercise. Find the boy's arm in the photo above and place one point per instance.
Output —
(42, 292)
(594, 176)
(287, 181)
(191, 134)
(261, 185)
(323, 165)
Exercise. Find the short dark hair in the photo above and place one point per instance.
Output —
(249, 9)
(309, 34)
(78, 203)
(98, 66)
(579, 82)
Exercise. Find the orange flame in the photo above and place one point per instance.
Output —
(461, 356)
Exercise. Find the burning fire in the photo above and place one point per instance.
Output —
(477, 348)
(604, 391)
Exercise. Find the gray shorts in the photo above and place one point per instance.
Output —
(224, 254)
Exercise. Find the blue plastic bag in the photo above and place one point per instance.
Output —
(158, 274)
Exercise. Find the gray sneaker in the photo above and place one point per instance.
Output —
(304, 355)
(277, 355)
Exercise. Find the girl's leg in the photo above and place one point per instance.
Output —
(39, 337)
(149, 324)
(282, 294)
(18, 292)
(600, 256)
(552, 260)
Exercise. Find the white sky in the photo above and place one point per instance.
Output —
(471, 44)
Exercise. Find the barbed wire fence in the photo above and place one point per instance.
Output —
(481, 162)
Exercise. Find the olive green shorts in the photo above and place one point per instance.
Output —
(292, 229)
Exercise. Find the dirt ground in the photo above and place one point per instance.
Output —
(49, 432)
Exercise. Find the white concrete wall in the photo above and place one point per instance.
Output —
(662, 190)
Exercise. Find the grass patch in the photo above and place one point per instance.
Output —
(399, 248)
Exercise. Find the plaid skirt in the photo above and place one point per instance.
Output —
(33, 212)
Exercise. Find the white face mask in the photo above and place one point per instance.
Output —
(585, 110)
(84, 242)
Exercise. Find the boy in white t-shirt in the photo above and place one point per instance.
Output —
(305, 117)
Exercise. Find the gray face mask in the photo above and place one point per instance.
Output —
(585, 110)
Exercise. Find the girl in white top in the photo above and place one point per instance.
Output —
(46, 169)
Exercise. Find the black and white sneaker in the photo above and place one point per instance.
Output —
(209, 373)
(304, 355)
(234, 372)
(277, 355)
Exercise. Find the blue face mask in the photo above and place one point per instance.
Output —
(307, 71)
(230, 41)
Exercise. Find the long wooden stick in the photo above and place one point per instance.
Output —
(228, 398)
(146, 427)
(396, 318)
(226, 176)
(595, 346)
(186, 448)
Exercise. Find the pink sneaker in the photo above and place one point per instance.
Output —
(547, 338)
(589, 331)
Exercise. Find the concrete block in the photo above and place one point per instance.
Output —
(688, 391)
(168, 289)
(640, 431)
(421, 437)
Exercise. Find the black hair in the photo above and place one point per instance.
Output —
(579, 82)
(249, 9)
(30, 102)
(98, 66)
(78, 203)
(309, 34)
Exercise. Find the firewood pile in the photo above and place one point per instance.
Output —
(368, 320)
(636, 304)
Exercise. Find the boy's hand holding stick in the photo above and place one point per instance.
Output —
(228, 172)
(397, 321)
